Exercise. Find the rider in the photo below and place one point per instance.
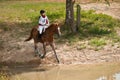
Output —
(43, 22)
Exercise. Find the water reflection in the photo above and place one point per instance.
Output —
(70, 72)
(102, 78)
(116, 76)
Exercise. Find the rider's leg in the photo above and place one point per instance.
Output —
(45, 28)
(40, 29)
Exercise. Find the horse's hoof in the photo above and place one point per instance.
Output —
(58, 61)
(42, 57)
(39, 55)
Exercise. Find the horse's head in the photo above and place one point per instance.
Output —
(54, 28)
(57, 30)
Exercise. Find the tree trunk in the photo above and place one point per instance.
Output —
(70, 15)
(78, 17)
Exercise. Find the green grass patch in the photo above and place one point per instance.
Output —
(98, 24)
(114, 37)
(18, 17)
(94, 28)
(97, 42)
(25, 11)
(81, 46)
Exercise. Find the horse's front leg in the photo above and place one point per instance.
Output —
(44, 47)
(53, 48)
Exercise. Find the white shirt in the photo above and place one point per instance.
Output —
(44, 21)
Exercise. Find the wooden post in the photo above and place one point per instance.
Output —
(78, 17)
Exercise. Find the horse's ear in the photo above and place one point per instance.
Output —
(56, 24)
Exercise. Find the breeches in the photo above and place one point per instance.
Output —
(42, 29)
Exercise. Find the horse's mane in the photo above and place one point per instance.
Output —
(51, 25)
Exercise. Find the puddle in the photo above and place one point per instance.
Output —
(107, 71)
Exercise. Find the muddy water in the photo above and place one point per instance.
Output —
(106, 71)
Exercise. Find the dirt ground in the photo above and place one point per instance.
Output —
(20, 52)
(112, 10)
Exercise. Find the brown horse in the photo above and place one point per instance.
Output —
(46, 38)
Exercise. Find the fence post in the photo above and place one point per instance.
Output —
(78, 17)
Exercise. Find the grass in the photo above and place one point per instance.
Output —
(18, 17)
(28, 11)
(97, 42)
(97, 29)
(98, 24)
(4, 76)
(81, 46)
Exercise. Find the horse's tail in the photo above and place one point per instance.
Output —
(30, 37)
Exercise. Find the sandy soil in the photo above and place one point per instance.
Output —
(112, 10)
(18, 51)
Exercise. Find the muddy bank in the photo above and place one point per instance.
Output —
(67, 55)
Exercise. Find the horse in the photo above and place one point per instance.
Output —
(46, 38)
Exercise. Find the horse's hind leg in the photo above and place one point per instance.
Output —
(54, 52)
(37, 52)
(44, 47)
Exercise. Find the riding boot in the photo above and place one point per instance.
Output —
(39, 35)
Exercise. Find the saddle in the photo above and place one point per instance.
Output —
(40, 35)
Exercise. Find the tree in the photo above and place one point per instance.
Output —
(70, 15)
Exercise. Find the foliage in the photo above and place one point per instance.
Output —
(94, 28)
(98, 24)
